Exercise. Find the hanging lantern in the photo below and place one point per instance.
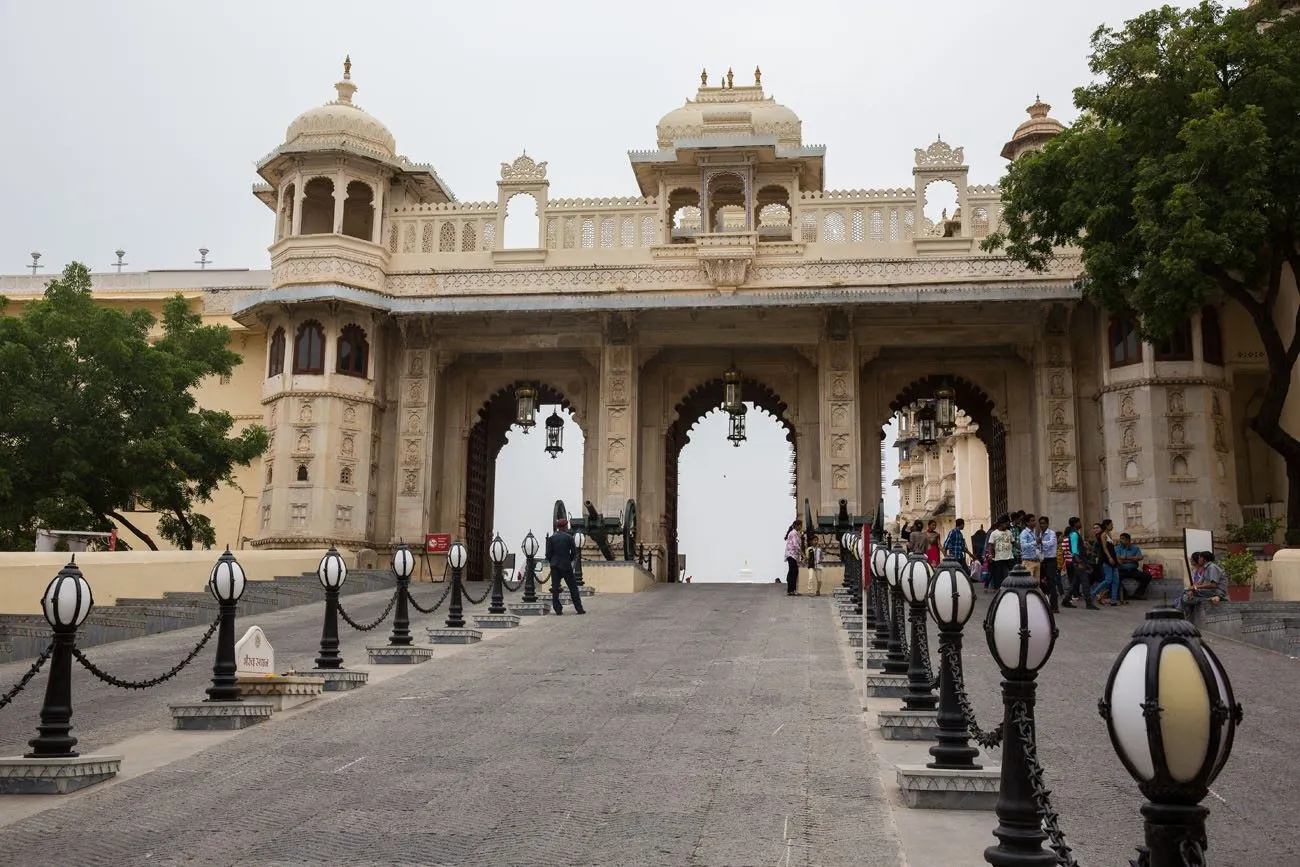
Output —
(525, 407)
(736, 426)
(946, 409)
(554, 435)
(731, 397)
(926, 424)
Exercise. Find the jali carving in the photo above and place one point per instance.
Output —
(940, 155)
(524, 168)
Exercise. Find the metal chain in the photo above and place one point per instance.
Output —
(988, 740)
(897, 611)
(441, 599)
(471, 599)
(923, 641)
(1042, 794)
(1191, 852)
(382, 617)
(31, 672)
(512, 588)
(145, 684)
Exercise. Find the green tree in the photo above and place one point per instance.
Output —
(1180, 184)
(98, 415)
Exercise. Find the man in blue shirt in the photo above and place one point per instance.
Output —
(1130, 566)
(954, 546)
(1030, 557)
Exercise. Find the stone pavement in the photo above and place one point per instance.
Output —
(688, 725)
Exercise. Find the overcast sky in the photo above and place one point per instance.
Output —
(137, 124)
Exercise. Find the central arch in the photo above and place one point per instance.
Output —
(697, 403)
(979, 407)
(486, 439)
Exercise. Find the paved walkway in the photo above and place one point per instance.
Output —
(700, 725)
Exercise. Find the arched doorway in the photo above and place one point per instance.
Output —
(697, 403)
(976, 403)
(486, 439)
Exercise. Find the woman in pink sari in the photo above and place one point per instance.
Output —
(932, 543)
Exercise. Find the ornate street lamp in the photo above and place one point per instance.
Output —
(1172, 717)
(554, 434)
(915, 584)
(525, 407)
(332, 572)
(731, 397)
(456, 557)
(578, 541)
(895, 662)
(403, 569)
(736, 426)
(529, 547)
(879, 592)
(66, 605)
(498, 551)
(1021, 634)
(946, 409)
(226, 582)
(951, 601)
(926, 425)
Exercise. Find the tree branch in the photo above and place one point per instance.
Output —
(139, 534)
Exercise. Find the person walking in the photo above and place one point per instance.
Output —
(792, 546)
(932, 543)
(1109, 564)
(560, 553)
(977, 540)
(916, 539)
(1030, 558)
(1048, 573)
(1001, 557)
(954, 545)
(1079, 565)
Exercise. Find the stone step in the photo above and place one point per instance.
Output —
(1270, 625)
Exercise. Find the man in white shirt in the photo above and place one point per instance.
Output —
(1030, 557)
(1049, 574)
(1000, 554)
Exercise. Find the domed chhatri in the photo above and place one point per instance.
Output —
(730, 110)
(1033, 133)
(326, 126)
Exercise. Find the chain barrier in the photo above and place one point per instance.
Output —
(382, 617)
(923, 641)
(1042, 794)
(145, 684)
(512, 588)
(988, 740)
(897, 611)
(479, 601)
(26, 679)
(416, 605)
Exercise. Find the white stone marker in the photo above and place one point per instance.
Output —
(254, 654)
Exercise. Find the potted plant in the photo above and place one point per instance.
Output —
(1256, 535)
(1240, 569)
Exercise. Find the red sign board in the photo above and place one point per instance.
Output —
(437, 543)
(1155, 570)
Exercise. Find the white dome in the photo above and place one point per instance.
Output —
(339, 122)
(718, 112)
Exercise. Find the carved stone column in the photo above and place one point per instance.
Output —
(841, 451)
(617, 422)
(1058, 454)
(413, 475)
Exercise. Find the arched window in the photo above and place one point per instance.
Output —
(359, 211)
(447, 238)
(317, 207)
(1125, 347)
(309, 348)
(354, 351)
(833, 228)
(1211, 336)
(302, 472)
(1177, 346)
(345, 476)
(275, 355)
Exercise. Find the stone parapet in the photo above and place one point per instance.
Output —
(35, 776)
(283, 692)
(220, 715)
(927, 788)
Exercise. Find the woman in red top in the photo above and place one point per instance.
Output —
(932, 543)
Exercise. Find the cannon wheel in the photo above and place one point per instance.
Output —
(629, 530)
(560, 514)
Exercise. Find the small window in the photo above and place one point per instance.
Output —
(309, 348)
(1125, 347)
(1211, 336)
(302, 472)
(1177, 346)
(275, 357)
(354, 351)
(345, 476)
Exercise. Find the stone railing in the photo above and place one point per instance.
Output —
(856, 217)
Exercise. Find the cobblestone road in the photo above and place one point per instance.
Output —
(689, 725)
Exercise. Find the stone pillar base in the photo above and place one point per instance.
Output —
(496, 621)
(875, 658)
(453, 635)
(853, 623)
(399, 655)
(282, 692)
(24, 776)
(530, 609)
(338, 679)
(584, 590)
(848, 609)
(908, 725)
(841, 593)
(930, 789)
(220, 715)
(886, 685)
(855, 640)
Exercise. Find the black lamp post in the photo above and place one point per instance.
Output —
(915, 584)
(498, 552)
(895, 661)
(403, 568)
(226, 583)
(332, 572)
(860, 554)
(578, 541)
(554, 434)
(951, 601)
(66, 604)
(736, 426)
(1021, 634)
(525, 407)
(878, 590)
(1172, 717)
(455, 611)
(529, 547)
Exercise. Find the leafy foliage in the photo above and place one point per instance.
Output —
(99, 415)
(1240, 568)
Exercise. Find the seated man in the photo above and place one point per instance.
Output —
(1130, 566)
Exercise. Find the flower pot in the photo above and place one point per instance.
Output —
(1237, 548)
(1239, 592)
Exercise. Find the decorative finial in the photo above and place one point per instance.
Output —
(345, 88)
(203, 261)
(347, 67)
(704, 78)
(36, 259)
(729, 76)
(119, 263)
(758, 77)
(1039, 109)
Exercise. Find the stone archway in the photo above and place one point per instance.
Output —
(699, 402)
(976, 403)
(486, 439)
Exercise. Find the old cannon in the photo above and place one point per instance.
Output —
(600, 529)
(834, 526)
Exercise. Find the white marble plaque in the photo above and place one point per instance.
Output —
(254, 654)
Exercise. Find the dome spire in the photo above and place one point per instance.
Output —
(345, 87)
